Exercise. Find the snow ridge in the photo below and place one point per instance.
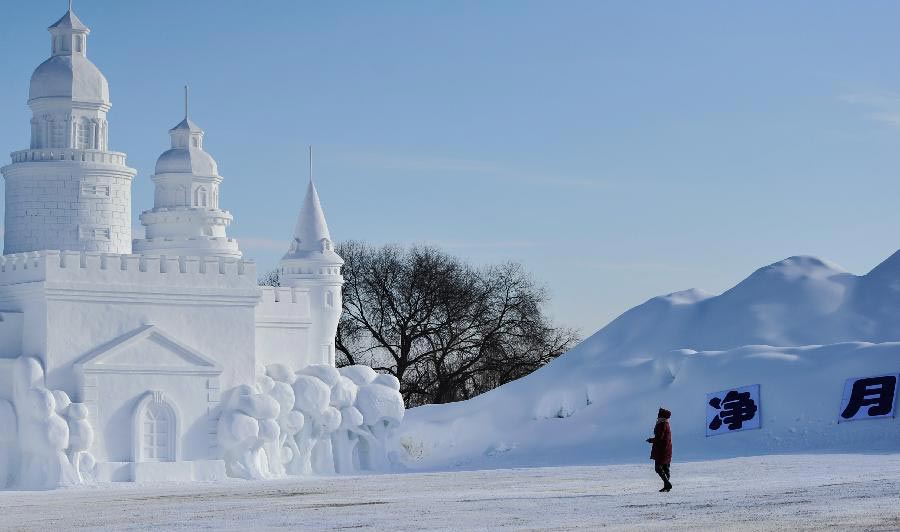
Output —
(798, 327)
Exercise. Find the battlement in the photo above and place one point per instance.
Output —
(279, 302)
(116, 269)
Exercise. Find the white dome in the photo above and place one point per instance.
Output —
(69, 76)
(187, 161)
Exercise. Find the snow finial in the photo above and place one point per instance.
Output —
(310, 163)
(70, 5)
(186, 88)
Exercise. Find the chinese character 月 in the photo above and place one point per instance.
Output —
(875, 392)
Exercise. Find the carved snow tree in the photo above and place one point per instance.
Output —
(447, 330)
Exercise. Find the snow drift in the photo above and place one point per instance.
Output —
(799, 328)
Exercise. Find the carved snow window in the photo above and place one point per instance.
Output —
(181, 196)
(83, 136)
(57, 134)
(93, 233)
(89, 190)
(156, 429)
(329, 299)
(200, 197)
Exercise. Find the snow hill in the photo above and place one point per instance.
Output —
(798, 328)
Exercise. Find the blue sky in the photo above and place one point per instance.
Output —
(618, 149)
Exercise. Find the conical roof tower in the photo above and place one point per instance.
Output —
(312, 266)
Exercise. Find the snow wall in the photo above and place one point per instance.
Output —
(799, 328)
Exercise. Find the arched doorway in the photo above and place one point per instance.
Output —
(156, 429)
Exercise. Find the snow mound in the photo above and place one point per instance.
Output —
(799, 328)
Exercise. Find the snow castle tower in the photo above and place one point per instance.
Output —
(311, 264)
(169, 363)
(68, 191)
(186, 219)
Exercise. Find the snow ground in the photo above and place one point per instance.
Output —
(842, 491)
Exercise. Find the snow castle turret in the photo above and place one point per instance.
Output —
(68, 191)
(312, 264)
(186, 218)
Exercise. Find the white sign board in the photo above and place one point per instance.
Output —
(733, 410)
(869, 397)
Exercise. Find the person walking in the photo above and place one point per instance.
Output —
(661, 452)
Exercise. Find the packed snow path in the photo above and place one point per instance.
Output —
(772, 492)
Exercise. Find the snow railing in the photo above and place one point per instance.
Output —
(114, 268)
(68, 154)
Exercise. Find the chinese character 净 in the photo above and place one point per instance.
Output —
(734, 409)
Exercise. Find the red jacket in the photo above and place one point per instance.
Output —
(661, 451)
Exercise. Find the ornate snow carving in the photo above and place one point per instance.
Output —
(53, 434)
(247, 428)
(321, 420)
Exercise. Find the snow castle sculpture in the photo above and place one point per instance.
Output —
(168, 362)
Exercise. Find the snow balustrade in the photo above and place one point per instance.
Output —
(69, 154)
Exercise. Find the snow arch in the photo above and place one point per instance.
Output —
(156, 429)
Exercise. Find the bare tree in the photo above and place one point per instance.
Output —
(446, 330)
(271, 278)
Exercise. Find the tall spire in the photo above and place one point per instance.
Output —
(311, 232)
(311, 235)
(186, 134)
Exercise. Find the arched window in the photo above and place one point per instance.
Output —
(57, 130)
(181, 196)
(196, 142)
(155, 429)
(82, 135)
(200, 197)
(158, 428)
(329, 299)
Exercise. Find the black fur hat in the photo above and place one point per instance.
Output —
(663, 413)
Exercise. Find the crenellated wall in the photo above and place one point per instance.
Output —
(284, 326)
(147, 271)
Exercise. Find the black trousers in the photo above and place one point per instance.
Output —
(663, 471)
